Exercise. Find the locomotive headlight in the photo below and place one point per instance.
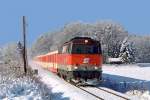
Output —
(95, 67)
(86, 41)
(75, 67)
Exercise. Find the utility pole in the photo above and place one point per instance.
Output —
(24, 47)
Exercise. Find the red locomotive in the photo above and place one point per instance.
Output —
(78, 59)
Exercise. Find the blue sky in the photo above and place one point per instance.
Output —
(49, 15)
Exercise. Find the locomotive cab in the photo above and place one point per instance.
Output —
(84, 59)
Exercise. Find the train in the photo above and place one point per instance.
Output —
(78, 60)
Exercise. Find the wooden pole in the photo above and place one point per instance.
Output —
(24, 47)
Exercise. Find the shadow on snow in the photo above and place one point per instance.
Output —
(124, 84)
(144, 64)
(59, 96)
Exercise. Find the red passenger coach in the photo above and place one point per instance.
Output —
(78, 59)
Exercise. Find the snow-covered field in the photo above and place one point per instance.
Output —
(24, 89)
(133, 80)
(63, 90)
(13, 87)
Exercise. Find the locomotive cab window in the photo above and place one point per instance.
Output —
(66, 49)
(86, 49)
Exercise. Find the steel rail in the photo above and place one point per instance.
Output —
(112, 93)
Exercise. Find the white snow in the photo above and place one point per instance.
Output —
(20, 89)
(132, 71)
(133, 79)
(15, 86)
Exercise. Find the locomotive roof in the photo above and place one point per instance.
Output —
(80, 38)
(77, 38)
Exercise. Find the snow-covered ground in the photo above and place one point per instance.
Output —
(14, 86)
(24, 89)
(133, 80)
(62, 90)
(135, 71)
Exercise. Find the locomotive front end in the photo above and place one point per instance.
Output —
(85, 59)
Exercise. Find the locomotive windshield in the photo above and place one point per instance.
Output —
(86, 49)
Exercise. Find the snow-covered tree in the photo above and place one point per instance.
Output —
(10, 55)
(142, 46)
(127, 52)
(42, 45)
(110, 34)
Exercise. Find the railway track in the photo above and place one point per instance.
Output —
(125, 98)
(101, 94)
(98, 97)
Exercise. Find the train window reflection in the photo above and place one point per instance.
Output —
(85, 49)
